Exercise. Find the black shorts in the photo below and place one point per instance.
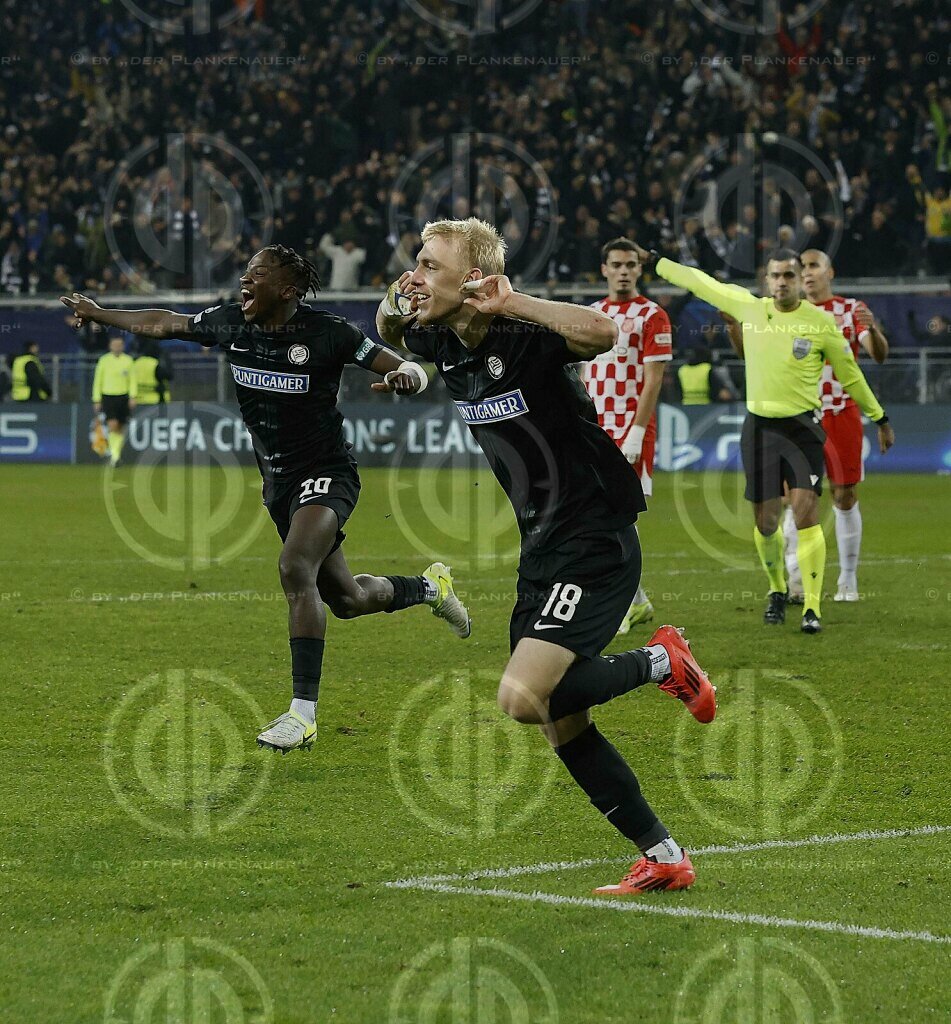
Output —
(335, 485)
(584, 601)
(782, 451)
(116, 407)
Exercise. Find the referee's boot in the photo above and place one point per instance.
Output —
(775, 614)
(811, 622)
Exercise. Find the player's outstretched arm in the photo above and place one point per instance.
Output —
(393, 315)
(154, 323)
(586, 331)
(401, 376)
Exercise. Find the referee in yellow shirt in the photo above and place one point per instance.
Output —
(786, 342)
(114, 390)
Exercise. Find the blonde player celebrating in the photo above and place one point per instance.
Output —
(842, 422)
(625, 381)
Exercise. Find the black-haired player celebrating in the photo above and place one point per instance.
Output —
(287, 358)
(506, 360)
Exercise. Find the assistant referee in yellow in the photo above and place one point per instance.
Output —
(786, 342)
(114, 391)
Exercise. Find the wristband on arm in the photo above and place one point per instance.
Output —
(414, 370)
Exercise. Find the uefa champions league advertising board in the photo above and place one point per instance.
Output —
(419, 435)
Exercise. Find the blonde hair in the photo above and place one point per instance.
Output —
(480, 243)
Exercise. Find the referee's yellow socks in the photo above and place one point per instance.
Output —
(812, 564)
(116, 441)
(770, 551)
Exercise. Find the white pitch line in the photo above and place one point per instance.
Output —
(734, 917)
(704, 851)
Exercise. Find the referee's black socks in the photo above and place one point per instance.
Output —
(612, 787)
(598, 680)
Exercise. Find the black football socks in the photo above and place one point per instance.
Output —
(408, 591)
(307, 655)
(612, 787)
(598, 680)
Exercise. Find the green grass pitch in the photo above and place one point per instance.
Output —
(156, 866)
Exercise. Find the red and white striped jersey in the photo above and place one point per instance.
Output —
(615, 379)
(834, 396)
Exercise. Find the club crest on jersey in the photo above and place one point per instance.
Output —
(801, 347)
(298, 354)
(495, 366)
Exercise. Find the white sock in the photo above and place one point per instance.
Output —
(660, 662)
(791, 536)
(307, 709)
(641, 597)
(848, 538)
(666, 852)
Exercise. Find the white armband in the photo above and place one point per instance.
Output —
(414, 370)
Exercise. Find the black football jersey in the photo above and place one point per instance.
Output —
(286, 381)
(520, 396)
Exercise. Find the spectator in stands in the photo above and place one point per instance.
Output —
(346, 259)
(938, 229)
(639, 143)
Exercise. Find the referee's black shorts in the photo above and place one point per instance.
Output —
(787, 450)
(116, 407)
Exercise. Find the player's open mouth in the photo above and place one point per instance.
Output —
(247, 298)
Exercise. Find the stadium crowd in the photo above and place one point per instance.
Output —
(135, 158)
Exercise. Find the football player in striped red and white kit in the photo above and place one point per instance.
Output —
(842, 423)
(624, 383)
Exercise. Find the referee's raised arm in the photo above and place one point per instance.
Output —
(728, 298)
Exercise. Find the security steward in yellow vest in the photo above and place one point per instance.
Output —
(29, 381)
(151, 377)
(694, 377)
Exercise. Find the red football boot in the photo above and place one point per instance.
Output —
(687, 680)
(647, 875)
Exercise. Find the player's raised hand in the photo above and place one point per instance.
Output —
(400, 303)
(489, 295)
(83, 307)
(886, 437)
